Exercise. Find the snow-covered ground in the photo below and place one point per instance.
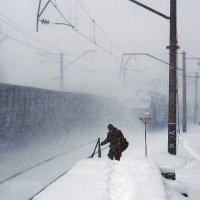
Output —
(186, 164)
(110, 180)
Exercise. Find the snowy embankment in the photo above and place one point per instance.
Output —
(105, 179)
(109, 180)
(186, 164)
(189, 174)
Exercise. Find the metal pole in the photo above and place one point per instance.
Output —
(145, 141)
(38, 15)
(184, 109)
(124, 77)
(99, 148)
(145, 120)
(172, 80)
(121, 65)
(196, 97)
(61, 73)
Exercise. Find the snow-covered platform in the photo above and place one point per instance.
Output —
(103, 179)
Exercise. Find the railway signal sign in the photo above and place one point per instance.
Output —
(145, 120)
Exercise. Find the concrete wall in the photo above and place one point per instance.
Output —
(27, 112)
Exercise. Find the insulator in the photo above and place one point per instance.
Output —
(45, 21)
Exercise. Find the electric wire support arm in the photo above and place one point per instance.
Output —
(39, 13)
(150, 9)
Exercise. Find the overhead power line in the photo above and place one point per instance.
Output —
(33, 37)
(25, 32)
(99, 27)
(74, 28)
(24, 43)
(188, 76)
(94, 42)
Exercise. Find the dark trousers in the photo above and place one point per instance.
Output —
(114, 153)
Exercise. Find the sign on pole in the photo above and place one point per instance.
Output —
(145, 120)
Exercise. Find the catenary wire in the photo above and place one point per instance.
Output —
(27, 44)
(15, 26)
(94, 21)
(188, 76)
(84, 36)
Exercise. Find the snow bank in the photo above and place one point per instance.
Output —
(109, 180)
(167, 169)
(175, 186)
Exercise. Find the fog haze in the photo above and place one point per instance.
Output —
(130, 27)
(38, 124)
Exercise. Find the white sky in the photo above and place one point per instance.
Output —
(131, 27)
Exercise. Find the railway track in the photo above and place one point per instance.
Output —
(42, 189)
(42, 162)
(33, 180)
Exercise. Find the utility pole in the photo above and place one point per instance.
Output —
(61, 73)
(184, 106)
(172, 72)
(61, 62)
(124, 76)
(63, 68)
(172, 80)
(196, 88)
(196, 107)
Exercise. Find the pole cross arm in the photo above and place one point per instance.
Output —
(193, 58)
(149, 55)
(146, 54)
(150, 9)
(83, 54)
(39, 13)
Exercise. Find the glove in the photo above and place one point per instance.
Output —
(101, 143)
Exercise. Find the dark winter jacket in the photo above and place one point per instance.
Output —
(114, 137)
